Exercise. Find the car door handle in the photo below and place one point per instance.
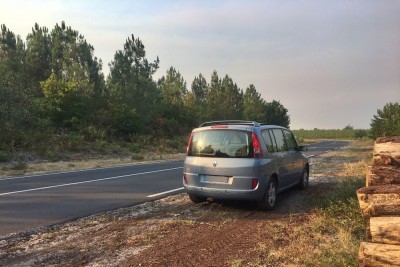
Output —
(293, 161)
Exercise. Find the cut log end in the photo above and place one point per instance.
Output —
(387, 151)
(379, 200)
(382, 175)
(385, 230)
(372, 254)
(385, 139)
(382, 159)
(383, 189)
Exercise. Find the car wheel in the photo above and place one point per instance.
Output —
(270, 196)
(197, 199)
(303, 183)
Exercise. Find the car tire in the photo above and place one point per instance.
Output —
(197, 199)
(303, 183)
(270, 196)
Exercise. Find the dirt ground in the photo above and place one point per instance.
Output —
(173, 231)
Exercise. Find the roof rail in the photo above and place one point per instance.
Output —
(230, 122)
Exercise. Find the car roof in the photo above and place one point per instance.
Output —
(230, 122)
(236, 124)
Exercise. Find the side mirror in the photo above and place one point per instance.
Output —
(303, 148)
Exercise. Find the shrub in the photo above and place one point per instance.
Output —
(4, 157)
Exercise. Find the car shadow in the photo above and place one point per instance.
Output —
(292, 201)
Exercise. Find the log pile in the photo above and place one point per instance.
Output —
(380, 205)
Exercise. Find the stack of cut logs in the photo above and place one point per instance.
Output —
(380, 205)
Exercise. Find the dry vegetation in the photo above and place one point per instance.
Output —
(318, 227)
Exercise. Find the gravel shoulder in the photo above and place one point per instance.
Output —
(175, 232)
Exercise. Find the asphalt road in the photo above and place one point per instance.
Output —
(323, 147)
(33, 201)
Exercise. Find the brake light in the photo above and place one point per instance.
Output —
(184, 178)
(256, 146)
(254, 183)
(190, 140)
(219, 127)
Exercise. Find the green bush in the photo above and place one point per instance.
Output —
(71, 141)
(135, 147)
(92, 133)
(4, 157)
(348, 133)
(100, 146)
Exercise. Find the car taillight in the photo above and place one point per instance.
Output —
(184, 178)
(220, 127)
(254, 183)
(190, 140)
(256, 146)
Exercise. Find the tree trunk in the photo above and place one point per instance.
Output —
(385, 230)
(381, 175)
(373, 254)
(379, 200)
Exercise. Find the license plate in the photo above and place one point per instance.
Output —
(213, 179)
(203, 178)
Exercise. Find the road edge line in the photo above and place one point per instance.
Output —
(166, 192)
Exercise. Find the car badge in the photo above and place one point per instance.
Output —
(215, 163)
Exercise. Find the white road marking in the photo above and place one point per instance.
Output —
(166, 192)
(85, 170)
(85, 182)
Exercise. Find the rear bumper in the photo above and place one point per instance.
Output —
(219, 193)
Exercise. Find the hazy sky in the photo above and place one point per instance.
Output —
(330, 63)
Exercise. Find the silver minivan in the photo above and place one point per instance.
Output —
(243, 160)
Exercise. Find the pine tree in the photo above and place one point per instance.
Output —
(386, 122)
(200, 89)
(76, 84)
(38, 57)
(253, 105)
(15, 103)
(173, 87)
(132, 88)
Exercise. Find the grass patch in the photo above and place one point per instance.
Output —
(329, 235)
(20, 166)
(331, 232)
(339, 225)
(137, 157)
(336, 218)
(343, 192)
(336, 221)
(354, 169)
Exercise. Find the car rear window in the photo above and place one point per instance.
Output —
(221, 143)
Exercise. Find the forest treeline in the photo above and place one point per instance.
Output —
(53, 90)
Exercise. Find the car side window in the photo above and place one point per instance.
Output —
(280, 140)
(290, 141)
(269, 141)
